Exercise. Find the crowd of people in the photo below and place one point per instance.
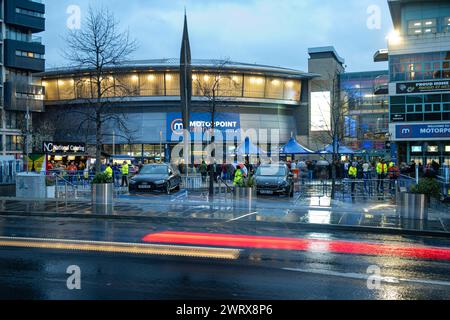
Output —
(304, 170)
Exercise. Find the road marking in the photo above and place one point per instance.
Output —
(241, 217)
(361, 276)
(120, 247)
(299, 244)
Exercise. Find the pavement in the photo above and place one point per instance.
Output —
(169, 260)
(368, 215)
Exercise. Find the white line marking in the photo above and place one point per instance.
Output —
(241, 217)
(361, 276)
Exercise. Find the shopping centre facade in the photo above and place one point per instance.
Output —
(146, 95)
(402, 113)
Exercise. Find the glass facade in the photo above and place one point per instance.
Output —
(420, 66)
(168, 84)
(153, 152)
(366, 114)
(416, 108)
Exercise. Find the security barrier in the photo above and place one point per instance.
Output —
(9, 169)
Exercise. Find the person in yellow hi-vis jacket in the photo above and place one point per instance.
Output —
(125, 170)
(238, 180)
(109, 171)
(352, 174)
(382, 170)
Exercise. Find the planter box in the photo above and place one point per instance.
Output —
(103, 194)
(414, 206)
(245, 193)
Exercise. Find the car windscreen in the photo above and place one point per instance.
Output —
(154, 170)
(271, 171)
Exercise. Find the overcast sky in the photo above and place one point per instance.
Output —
(273, 32)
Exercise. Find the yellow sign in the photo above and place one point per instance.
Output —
(36, 163)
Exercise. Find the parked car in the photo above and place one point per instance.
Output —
(274, 179)
(156, 177)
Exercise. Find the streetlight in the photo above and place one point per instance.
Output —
(27, 118)
(160, 145)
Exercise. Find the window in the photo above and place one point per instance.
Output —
(152, 84)
(446, 24)
(397, 109)
(15, 34)
(172, 84)
(447, 148)
(419, 27)
(30, 13)
(254, 87)
(28, 54)
(433, 149)
(14, 143)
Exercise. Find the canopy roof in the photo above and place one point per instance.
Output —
(248, 148)
(342, 150)
(293, 147)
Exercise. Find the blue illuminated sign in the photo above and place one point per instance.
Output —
(423, 131)
(200, 122)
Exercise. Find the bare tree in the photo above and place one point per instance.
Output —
(94, 50)
(334, 131)
(213, 88)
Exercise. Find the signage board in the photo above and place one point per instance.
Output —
(422, 86)
(200, 122)
(422, 131)
(63, 147)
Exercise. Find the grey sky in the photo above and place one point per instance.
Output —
(274, 32)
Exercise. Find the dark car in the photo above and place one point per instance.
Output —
(274, 179)
(156, 177)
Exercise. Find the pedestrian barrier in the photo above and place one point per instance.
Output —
(9, 169)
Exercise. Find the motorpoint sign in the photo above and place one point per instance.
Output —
(201, 122)
(422, 131)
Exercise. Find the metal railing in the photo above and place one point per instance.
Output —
(9, 169)
(64, 188)
(344, 189)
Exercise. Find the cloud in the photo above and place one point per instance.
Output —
(276, 32)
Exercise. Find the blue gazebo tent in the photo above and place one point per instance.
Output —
(248, 148)
(293, 147)
(341, 150)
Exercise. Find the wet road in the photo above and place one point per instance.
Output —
(291, 264)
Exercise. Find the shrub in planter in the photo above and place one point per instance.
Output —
(427, 186)
(102, 178)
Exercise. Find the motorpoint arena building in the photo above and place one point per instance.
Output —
(250, 97)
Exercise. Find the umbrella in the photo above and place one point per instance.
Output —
(293, 147)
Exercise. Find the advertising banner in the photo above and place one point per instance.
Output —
(422, 131)
(200, 122)
(423, 86)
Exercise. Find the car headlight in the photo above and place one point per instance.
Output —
(283, 183)
(132, 181)
(160, 182)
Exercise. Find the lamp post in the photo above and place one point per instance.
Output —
(160, 145)
(27, 152)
